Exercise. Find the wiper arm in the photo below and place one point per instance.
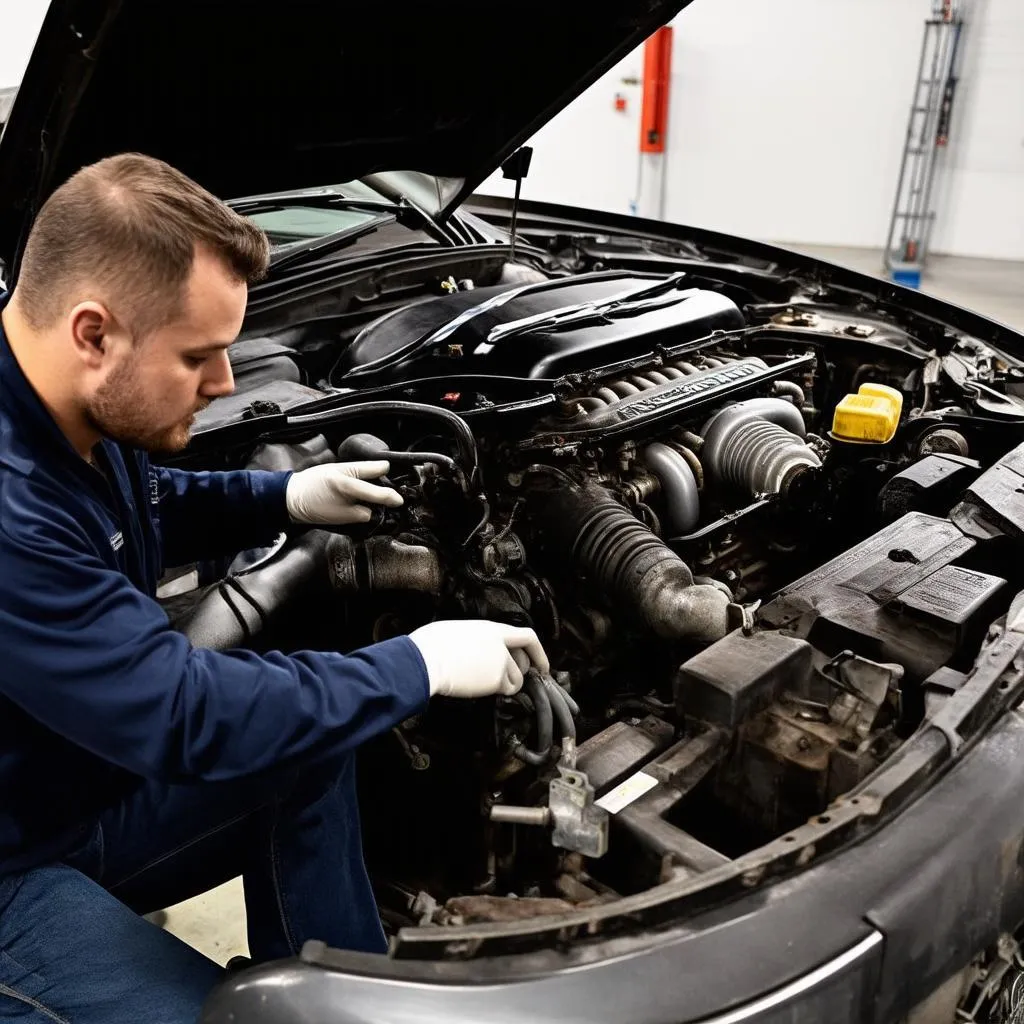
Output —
(319, 202)
(583, 312)
(325, 245)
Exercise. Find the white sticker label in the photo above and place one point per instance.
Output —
(117, 541)
(626, 792)
(179, 585)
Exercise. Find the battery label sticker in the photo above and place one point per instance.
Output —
(626, 792)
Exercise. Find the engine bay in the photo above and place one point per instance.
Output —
(762, 530)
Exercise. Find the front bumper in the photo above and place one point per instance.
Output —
(863, 936)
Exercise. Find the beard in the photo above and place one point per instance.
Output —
(122, 412)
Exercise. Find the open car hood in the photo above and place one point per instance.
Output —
(318, 92)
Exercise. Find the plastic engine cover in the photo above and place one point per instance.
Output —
(897, 596)
(453, 334)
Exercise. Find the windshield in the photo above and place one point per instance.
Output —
(286, 225)
(302, 215)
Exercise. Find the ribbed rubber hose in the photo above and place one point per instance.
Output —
(636, 571)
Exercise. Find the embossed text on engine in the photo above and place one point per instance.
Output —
(698, 384)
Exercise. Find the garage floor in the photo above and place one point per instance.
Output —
(215, 923)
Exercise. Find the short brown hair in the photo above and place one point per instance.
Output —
(130, 225)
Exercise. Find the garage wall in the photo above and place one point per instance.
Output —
(810, 153)
(983, 196)
(19, 25)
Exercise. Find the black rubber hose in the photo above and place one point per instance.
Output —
(537, 692)
(240, 607)
(574, 708)
(366, 447)
(560, 709)
(631, 566)
(417, 410)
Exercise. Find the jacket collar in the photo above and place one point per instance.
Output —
(36, 428)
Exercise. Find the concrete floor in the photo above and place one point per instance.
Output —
(215, 923)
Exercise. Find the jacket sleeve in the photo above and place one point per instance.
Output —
(209, 515)
(95, 660)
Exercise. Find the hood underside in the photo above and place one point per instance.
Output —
(316, 93)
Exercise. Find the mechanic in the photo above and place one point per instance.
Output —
(136, 771)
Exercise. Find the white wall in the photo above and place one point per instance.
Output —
(982, 199)
(788, 119)
(587, 154)
(19, 26)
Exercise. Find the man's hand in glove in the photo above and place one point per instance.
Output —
(338, 493)
(477, 658)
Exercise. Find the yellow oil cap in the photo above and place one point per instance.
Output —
(872, 415)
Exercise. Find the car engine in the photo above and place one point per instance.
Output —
(760, 540)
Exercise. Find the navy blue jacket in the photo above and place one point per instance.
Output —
(96, 689)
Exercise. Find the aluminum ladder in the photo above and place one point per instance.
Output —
(927, 137)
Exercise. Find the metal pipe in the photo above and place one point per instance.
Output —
(538, 816)
(678, 484)
(690, 457)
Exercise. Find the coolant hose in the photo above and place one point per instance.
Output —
(538, 694)
(416, 410)
(678, 484)
(367, 447)
(560, 708)
(633, 568)
(794, 391)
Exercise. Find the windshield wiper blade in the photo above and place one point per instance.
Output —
(325, 245)
(319, 202)
(583, 312)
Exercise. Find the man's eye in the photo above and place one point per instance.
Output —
(195, 361)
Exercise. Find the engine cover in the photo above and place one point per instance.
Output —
(897, 596)
(538, 331)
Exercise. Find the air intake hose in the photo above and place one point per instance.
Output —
(241, 606)
(634, 568)
(757, 446)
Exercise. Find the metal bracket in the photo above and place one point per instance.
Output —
(866, 685)
(578, 823)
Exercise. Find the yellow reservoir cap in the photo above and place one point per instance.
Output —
(871, 415)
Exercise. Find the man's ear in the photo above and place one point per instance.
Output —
(91, 325)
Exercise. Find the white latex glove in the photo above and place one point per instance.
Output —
(477, 658)
(338, 493)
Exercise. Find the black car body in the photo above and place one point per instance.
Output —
(785, 784)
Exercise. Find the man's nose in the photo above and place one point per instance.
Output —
(219, 380)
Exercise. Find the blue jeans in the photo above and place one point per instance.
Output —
(74, 949)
